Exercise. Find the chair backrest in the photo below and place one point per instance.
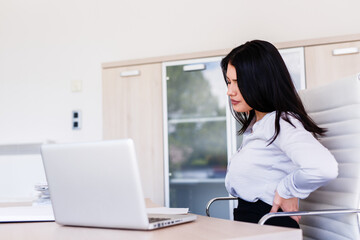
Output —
(336, 106)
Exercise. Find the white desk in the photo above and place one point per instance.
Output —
(203, 228)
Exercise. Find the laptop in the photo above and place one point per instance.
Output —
(97, 184)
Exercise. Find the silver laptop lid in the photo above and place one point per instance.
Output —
(95, 184)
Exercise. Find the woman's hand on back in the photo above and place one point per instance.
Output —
(287, 205)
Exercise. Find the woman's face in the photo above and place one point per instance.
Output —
(237, 100)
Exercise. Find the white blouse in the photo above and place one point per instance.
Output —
(294, 165)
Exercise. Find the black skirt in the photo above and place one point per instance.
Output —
(253, 211)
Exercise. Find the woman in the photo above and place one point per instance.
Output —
(280, 159)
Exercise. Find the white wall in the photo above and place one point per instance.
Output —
(46, 44)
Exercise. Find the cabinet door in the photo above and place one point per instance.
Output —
(196, 134)
(132, 108)
(294, 60)
(327, 63)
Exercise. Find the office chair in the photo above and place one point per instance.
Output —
(334, 207)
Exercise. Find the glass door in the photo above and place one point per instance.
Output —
(295, 63)
(196, 141)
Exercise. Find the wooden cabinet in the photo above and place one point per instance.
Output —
(330, 62)
(132, 108)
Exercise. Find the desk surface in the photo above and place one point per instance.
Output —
(203, 228)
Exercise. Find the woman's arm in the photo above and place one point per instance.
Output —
(287, 205)
(316, 164)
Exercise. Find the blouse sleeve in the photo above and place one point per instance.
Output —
(316, 165)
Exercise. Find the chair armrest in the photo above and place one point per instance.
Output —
(306, 213)
(217, 199)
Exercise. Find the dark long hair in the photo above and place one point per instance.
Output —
(266, 86)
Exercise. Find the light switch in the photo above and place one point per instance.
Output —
(76, 120)
(76, 85)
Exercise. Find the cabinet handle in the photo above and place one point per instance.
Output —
(130, 73)
(194, 67)
(343, 51)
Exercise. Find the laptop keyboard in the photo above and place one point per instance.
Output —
(153, 219)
